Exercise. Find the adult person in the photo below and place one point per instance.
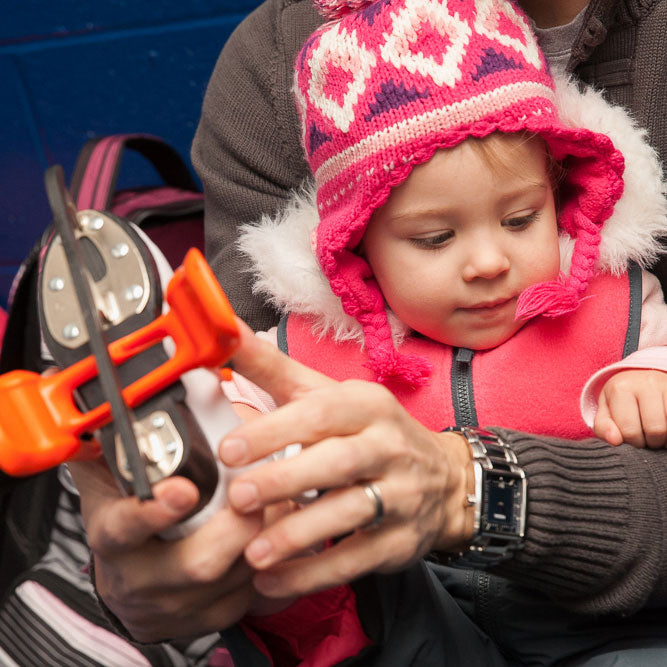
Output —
(242, 179)
(591, 543)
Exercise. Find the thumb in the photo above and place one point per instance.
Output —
(117, 525)
(264, 364)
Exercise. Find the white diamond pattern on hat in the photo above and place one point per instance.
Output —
(339, 50)
(489, 20)
(406, 34)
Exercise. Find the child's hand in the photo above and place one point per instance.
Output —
(632, 408)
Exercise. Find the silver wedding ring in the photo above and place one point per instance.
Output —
(373, 493)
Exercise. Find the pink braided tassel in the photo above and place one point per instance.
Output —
(563, 295)
(386, 362)
(391, 366)
(551, 299)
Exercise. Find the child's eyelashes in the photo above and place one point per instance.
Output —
(441, 239)
(520, 222)
(432, 242)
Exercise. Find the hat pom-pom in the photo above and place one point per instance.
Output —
(336, 9)
(551, 299)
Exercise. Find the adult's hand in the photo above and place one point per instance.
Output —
(352, 433)
(164, 589)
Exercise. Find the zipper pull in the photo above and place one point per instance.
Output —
(464, 355)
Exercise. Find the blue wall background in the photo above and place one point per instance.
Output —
(73, 70)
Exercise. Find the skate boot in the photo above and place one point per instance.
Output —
(141, 350)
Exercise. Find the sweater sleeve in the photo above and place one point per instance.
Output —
(596, 526)
(247, 148)
(652, 352)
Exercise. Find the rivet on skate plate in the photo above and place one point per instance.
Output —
(94, 223)
(71, 331)
(134, 293)
(120, 250)
(158, 421)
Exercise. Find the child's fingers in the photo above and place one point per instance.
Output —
(604, 426)
(624, 410)
(636, 401)
(654, 418)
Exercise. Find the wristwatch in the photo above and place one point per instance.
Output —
(499, 500)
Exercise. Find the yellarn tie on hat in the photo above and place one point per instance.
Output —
(382, 86)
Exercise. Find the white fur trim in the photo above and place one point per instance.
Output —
(288, 274)
(640, 216)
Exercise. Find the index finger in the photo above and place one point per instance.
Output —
(264, 364)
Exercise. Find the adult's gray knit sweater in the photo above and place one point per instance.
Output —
(596, 530)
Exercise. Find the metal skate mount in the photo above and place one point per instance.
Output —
(71, 230)
(119, 282)
(94, 277)
(120, 288)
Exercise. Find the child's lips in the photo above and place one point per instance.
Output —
(489, 307)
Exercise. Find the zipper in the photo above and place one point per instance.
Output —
(463, 398)
(465, 414)
(484, 616)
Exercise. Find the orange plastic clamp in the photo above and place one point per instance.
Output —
(40, 423)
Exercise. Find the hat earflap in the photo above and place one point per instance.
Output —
(361, 297)
(387, 363)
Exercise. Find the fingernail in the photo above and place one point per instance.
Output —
(244, 496)
(233, 450)
(174, 501)
(258, 550)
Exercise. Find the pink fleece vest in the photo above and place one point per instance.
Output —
(530, 383)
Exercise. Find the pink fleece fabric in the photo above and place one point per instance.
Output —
(437, 413)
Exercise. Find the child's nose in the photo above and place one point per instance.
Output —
(485, 260)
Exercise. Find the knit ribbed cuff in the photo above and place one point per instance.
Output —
(591, 523)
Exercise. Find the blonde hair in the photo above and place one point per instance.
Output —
(493, 149)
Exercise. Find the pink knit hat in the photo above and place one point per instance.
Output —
(382, 86)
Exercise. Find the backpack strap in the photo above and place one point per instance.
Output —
(96, 171)
(27, 505)
(21, 341)
(635, 309)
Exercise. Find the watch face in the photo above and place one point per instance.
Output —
(502, 495)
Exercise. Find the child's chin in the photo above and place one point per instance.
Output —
(486, 340)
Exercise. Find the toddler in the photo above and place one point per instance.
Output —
(475, 233)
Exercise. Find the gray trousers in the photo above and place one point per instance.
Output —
(432, 615)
